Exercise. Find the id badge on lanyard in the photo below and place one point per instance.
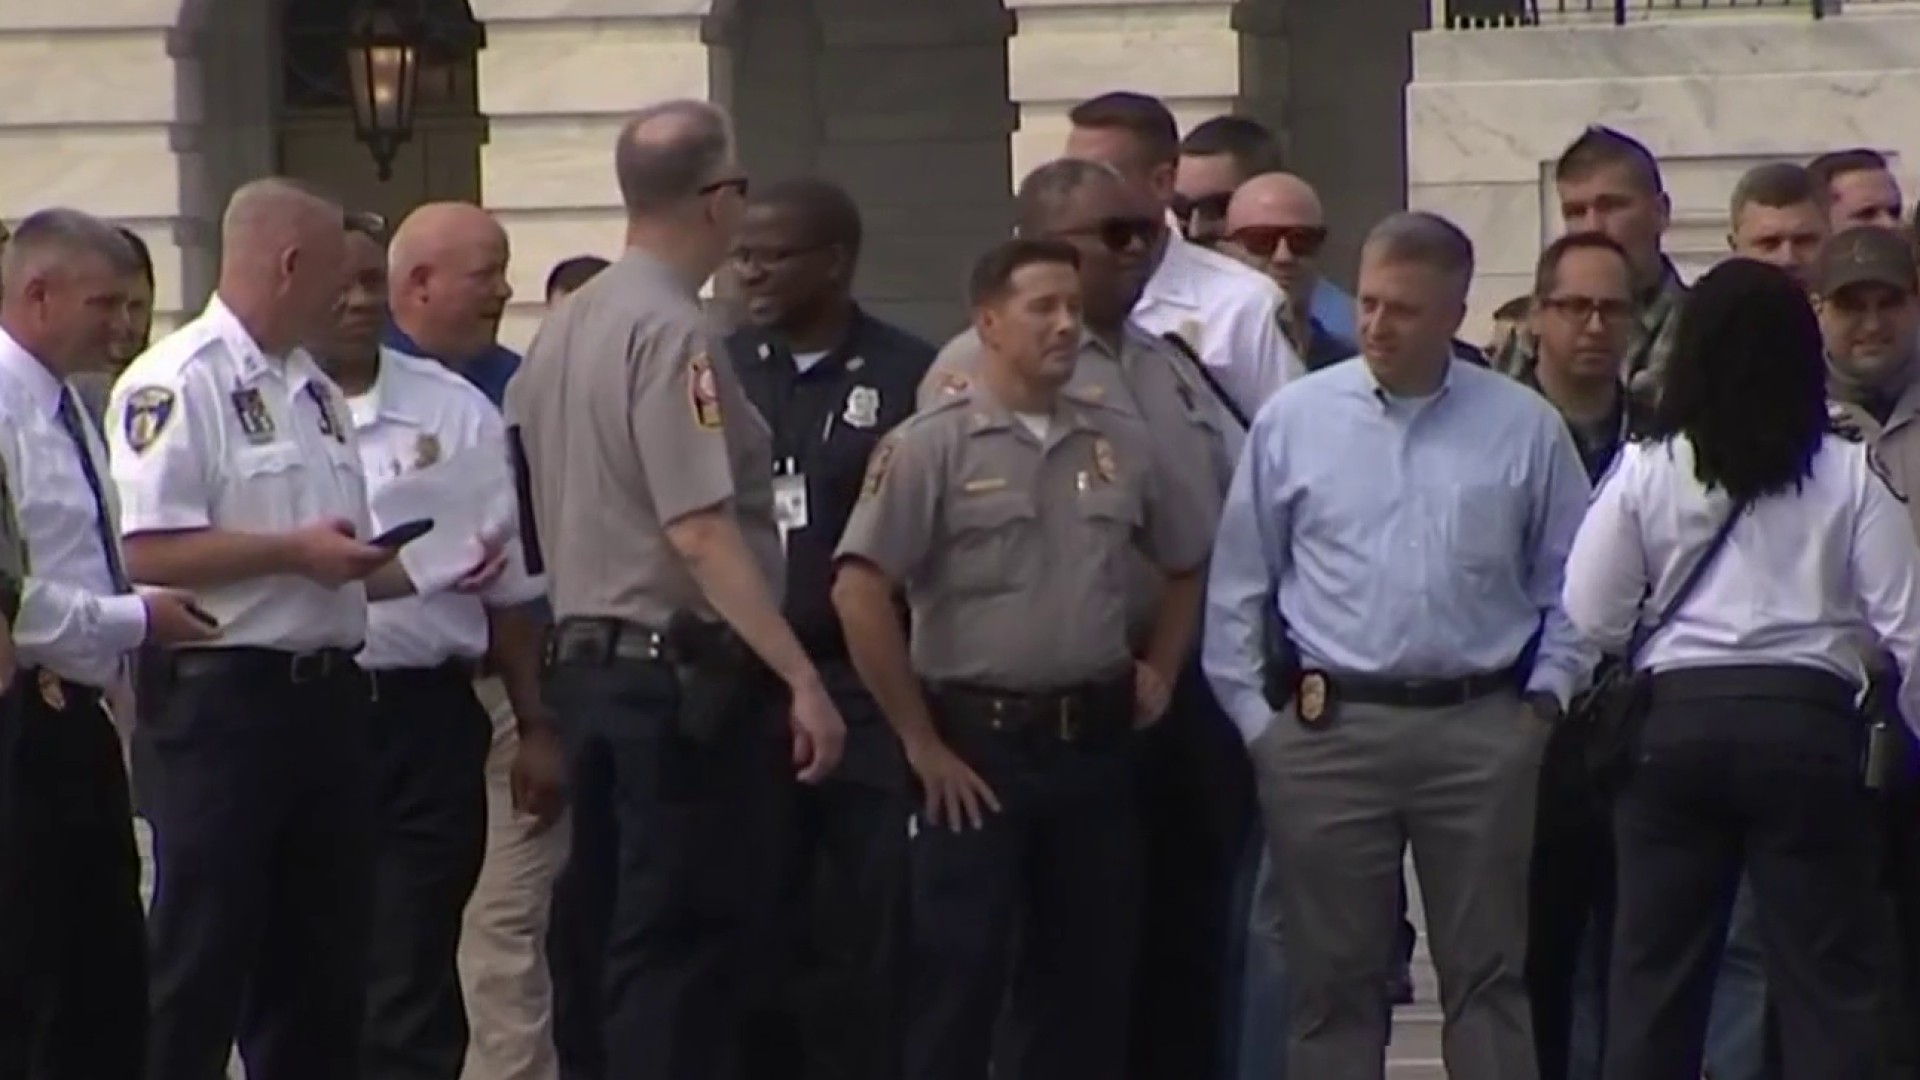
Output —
(790, 511)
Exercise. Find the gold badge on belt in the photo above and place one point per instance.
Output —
(1310, 698)
(51, 691)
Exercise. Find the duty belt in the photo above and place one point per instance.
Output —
(598, 642)
(1068, 715)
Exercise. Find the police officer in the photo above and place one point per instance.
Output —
(1746, 549)
(652, 484)
(1867, 296)
(238, 478)
(430, 734)
(63, 303)
(831, 381)
(1011, 515)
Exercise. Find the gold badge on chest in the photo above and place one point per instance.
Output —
(1104, 465)
(426, 450)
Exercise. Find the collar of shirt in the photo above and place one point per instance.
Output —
(1368, 384)
(490, 371)
(766, 347)
(25, 369)
(251, 363)
(385, 400)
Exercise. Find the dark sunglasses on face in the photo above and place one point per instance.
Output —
(1119, 233)
(1261, 241)
(1580, 309)
(1206, 206)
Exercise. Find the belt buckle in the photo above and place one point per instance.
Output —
(309, 667)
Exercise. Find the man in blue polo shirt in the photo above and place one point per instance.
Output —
(447, 273)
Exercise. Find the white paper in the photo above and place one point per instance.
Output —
(469, 496)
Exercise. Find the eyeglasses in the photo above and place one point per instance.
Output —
(1579, 309)
(1117, 234)
(766, 258)
(1206, 206)
(1261, 241)
(733, 183)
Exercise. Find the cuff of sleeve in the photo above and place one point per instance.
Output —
(123, 622)
(138, 519)
(1548, 680)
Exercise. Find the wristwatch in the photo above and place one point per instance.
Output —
(1545, 706)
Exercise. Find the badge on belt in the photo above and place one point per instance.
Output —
(1313, 703)
(52, 692)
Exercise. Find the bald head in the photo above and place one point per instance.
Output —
(669, 154)
(1275, 199)
(283, 261)
(435, 234)
(447, 279)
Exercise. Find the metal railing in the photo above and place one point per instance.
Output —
(1475, 14)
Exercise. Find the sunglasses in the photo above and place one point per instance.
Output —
(1579, 309)
(1117, 234)
(1206, 206)
(1261, 241)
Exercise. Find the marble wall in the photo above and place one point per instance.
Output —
(1489, 111)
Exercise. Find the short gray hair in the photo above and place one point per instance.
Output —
(53, 234)
(1046, 187)
(668, 152)
(1416, 236)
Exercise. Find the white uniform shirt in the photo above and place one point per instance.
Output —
(1798, 577)
(207, 431)
(1228, 314)
(71, 622)
(415, 414)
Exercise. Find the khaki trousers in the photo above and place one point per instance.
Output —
(1342, 803)
(503, 944)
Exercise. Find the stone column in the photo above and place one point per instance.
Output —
(1185, 52)
(98, 111)
(556, 79)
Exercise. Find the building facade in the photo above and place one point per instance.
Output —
(152, 111)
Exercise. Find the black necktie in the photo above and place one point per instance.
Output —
(75, 425)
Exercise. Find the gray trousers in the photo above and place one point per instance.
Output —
(1341, 803)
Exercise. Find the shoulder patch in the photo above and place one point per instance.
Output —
(703, 392)
(1878, 466)
(147, 412)
(877, 466)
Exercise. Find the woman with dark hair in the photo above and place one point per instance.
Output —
(1731, 556)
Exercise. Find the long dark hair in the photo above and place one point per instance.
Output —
(1747, 381)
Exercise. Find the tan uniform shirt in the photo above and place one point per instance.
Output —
(1016, 555)
(1148, 381)
(632, 418)
(1893, 451)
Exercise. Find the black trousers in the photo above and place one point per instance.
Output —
(844, 907)
(1570, 891)
(73, 953)
(1900, 878)
(1036, 913)
(1756, 768)
(260, 798)
(662, 915)
(1196, 802)
(430, 737)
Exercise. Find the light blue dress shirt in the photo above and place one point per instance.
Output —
(1333, 306)
(1419, 538)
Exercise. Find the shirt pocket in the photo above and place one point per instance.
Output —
(1484, 527)
(271, 487)
(1111, 517)
(992, 544)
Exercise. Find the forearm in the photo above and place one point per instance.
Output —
(717, 557)
(207, 558)
(878, 649)
(514, 637)
(1174, 625)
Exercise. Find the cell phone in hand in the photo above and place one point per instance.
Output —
(403, 534)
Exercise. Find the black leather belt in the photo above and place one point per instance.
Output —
(278, 665)
(1417, 693)
(598, 642)
(458, 671)
(1813, 686)
(1067, 715)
